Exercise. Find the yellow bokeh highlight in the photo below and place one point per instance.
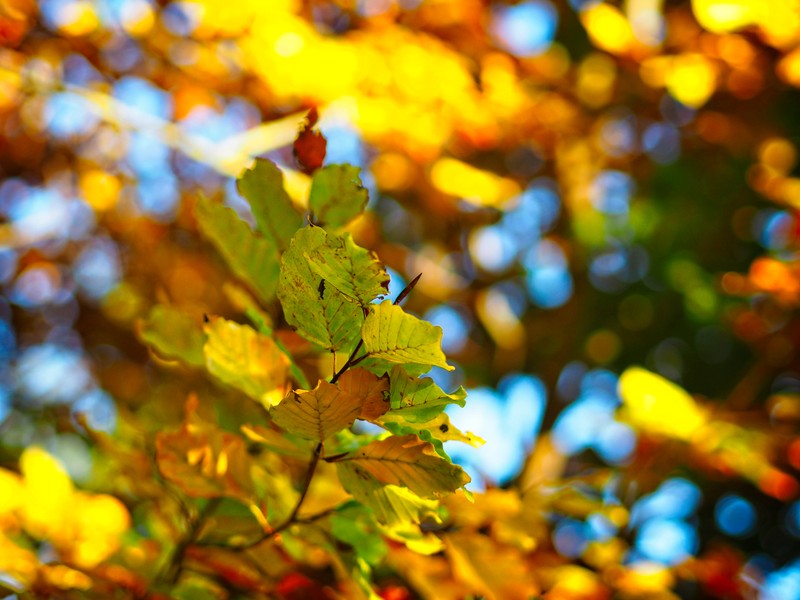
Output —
(100, 189)
(692, 79)
(597, 75)
(608, 28)
(723, 16)
(778, 154)
(788, 68)
(657, 405)
(83, 528)
(457, 178)
(78, 18)
(138, 18)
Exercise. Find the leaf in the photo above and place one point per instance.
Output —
(355, 525)
(406, 461)
(393, 505)
(370, 388)
(245, 359)
(318, 413)
(419, 400)
(321, 314)
(354, 271)
(310, 146)
(393, 335)
(278, 442)
(252, 259)
(337, 195)
(436, 431)
(203, 461)
(173, 334)
(276, 216)
(475, 557)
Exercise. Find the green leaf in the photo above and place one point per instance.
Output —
(173, 334)
(355, 525)
(276, 216)
(243, 358)
(318, 413)
(319, 312)
(405, 461)
(354, 271)
(393, 335)
(393, 505)
(419, 400)
(337, 195)
(436, 431)
(252, 259)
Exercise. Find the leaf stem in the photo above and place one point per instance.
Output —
(176, 562)
(292, 518)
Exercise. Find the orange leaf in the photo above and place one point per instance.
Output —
(370, 388)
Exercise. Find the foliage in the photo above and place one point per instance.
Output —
(240, 367)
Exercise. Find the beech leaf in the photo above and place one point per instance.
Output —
(319, 312)
(247, 360)
(406, 461)
(276, 216)
(173, 334)
(395, 336)
(337, 195)
(354, 271)
(252, 259)
(372, 390)
(318, 413)
(419, 400)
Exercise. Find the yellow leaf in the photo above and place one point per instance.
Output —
(47, 508)
(245, 359)
(100, 520)
(10, 492)
(658, 405)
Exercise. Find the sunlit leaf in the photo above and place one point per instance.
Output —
(393, 505)
(406, 461)
(251, 258)
(395, 336)
(204, 461)
(475, 558)
(658, 405)
(352, 270)
(173, 334)
(321, 314)
(337, 195)
(373, 391)
(436, 431)
(245, 359)
(418, 400)
(318, 413)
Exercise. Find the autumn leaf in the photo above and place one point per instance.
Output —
(246, 360)
(318, 413)
(309, 147)
(173, 334)
(419, 399)
(276, 216)
(251, 258)
(354, 524)
(406, 461)
(352, 270)
(319, 312)
(337, 195)
(391, 334)
(204, 461)
(370, 388)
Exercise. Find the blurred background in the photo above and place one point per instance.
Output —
(585, 186)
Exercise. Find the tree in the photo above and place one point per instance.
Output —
(581, 187)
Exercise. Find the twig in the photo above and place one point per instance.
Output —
(176, 563)
(352, 360)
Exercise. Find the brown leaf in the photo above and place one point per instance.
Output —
(370, 388)
(310, 146)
